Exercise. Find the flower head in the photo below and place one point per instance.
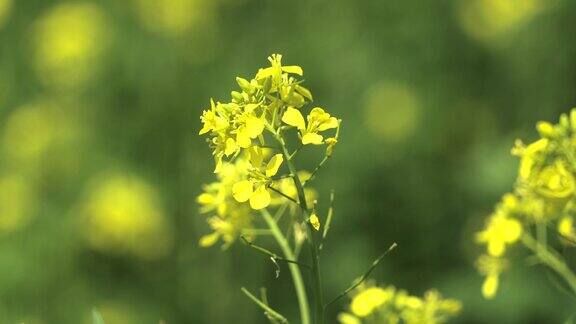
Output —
(490, 267)
(255, 187)
(318, 121)
(499, 232)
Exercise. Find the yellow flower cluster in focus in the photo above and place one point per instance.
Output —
(252, 163)
(543, 197)
(271, 102)
(375, 305)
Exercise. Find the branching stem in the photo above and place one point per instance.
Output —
(363, 277)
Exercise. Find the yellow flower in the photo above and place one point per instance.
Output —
(531, 156)
(255, 189)
(314, 221)
(275, 71)
(555, 181)
(491, 267)
(212, 121)
(227, 217)
(318, 121)
(346, 318)
(499, 232)
(566, 229)
(365, 302)
(250, 127)
(70, 40)
(124, 215)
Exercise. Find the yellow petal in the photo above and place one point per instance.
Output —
(345, 318)
(314, 221)
(205, 129)
(264, 73)
(274, 164)
(496, 247)
(312, 138)
(332, 122)
(565, 227)
(260, 199)
(293, 69)
(209, 239)
(512, 231)
(243, 138)
(242, 190)
(317, 113)
(205, 199)
(293, 117)
(490, 286)
(230, 147)
(254, 126)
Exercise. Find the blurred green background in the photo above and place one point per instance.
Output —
(100, 163)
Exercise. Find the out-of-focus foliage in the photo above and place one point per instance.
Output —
(99, 105)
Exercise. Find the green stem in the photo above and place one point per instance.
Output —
(268, 311)
(551, 260)
(312, 246)
(294, 268)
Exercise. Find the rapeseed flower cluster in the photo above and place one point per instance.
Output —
(543, 197)
(247, 137)
(372, 304)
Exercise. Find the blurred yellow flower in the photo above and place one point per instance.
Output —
(499, 232)
(175, 17)
(555, 182)
(566, 229)
(124, 216)
(5, 7)
(392, 111)
(531, 157)
(69, 41)
(17, 202)
(490, 20)
(490, 267)
(375, 305)
(365, 302)
(42, 136)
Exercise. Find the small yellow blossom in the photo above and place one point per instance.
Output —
(318, 121)
(491, 267)
(530, 156)
(499, 232)
(566, 229)
(227, 218)
(315, 221)
(275, 71)
(365, 302)
(389, 305)
(555, 182)
(255, 188)
(345, 318)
